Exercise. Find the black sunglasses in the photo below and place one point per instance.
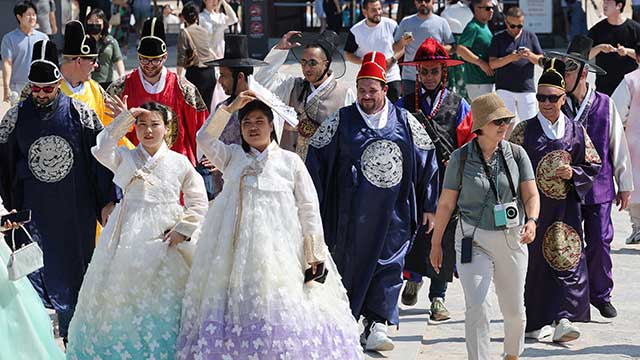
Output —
(552, 98)
(513, 26)
(501, 122)
(488, 8)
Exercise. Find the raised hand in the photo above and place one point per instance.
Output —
(285, 42)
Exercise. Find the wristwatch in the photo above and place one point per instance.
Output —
(534, 219)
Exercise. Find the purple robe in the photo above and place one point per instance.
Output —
(557, 279)
(596, 211)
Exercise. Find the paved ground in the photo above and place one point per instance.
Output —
(602, 339)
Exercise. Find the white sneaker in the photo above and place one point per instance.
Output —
(539, 334)
(378, 339)
(565, 331)
(633, 238)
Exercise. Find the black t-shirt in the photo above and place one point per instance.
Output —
(628, 35)
(518, 75)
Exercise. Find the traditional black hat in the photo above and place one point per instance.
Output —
(77, 43)
(152, 41)
(329, 42)
(553, 74)
(578, 51)
(236, 53)
(44, 63)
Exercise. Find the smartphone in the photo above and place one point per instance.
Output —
(320, 275)
(23, 216)
(521, 49)
(467, 247)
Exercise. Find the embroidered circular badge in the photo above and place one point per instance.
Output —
(325, 132)
(551, 185)
(561, 246)
(50, 158)
(382, 163)
(420, 136)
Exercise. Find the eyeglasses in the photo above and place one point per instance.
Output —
(147, 61)
(423, 1)
(501, 122)
(46, 89)
(488, 8)
(552, 98)
(513, 26)
(311, 63)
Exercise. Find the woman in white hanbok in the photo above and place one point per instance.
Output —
(130, 302)
(246, 297)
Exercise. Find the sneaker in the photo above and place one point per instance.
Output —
(378, 340)
(410, 292)
(634, 238)
(539, 334)
(438, 311)
(607, 310)
(363, 336)
(565, 331)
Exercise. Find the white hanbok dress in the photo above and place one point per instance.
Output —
(246, 297)
(130, 302)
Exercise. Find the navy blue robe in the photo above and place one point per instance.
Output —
(46, 166)
(372, 186)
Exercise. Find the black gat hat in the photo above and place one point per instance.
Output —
(578, 51)
(77, 43)
(44, 63)
(236, 53)
(553, 74)
(152, 41)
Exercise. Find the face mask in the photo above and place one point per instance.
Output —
(94, 29)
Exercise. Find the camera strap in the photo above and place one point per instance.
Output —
(487, 171)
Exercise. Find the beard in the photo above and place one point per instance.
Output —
(425, 10)
(151, 73)
(375, 19)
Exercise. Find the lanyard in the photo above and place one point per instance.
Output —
(487, 170)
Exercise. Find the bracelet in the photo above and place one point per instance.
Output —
(534, 219)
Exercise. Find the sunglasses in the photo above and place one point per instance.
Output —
(147, 61)
(501, 122)
(513, 26)
(488, 8)
(46, 89)
(311, 63)
(552, 98)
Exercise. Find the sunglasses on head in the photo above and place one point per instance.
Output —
(513, 26)
(552, 98)
(501, 122)
(47, 89)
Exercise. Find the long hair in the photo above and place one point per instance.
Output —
(246, 110)
(100, 15)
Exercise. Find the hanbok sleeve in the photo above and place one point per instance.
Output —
(619, 151)
(309, 214)
(270, 77)
(208, 139)
(427, 181)
(195, 203)
(465, 124)
(106, 150)
(622, 97)
(585, 162)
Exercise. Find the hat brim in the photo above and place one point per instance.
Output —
(338, 62)
(592, 65)
(247, 62)
(446, 62)
(498, 114)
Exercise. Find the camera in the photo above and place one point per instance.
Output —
(512, 213)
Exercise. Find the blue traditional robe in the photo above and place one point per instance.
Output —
(557, 281)
(46, 166)
(372, 185)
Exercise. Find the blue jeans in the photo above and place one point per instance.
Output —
(577, 20)
(437, 288)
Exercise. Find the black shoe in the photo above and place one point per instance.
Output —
(410, 292)
(607, 310)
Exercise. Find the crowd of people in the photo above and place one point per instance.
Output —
(228, 210)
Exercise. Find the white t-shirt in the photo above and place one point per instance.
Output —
(458, 15)
(375, 38)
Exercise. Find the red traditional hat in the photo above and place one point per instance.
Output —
(374, 66)
(432, 51)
